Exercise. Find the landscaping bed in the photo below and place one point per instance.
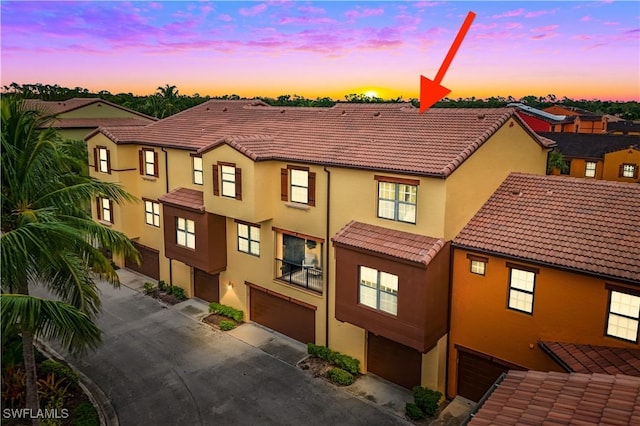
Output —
(169, 294)
(223, 317)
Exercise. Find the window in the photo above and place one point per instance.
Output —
(378, 290)
(197, 171)
(397, 200)
(148, 159)
(249, 239)
(186, 233)
(628, 171)
(229, 177)
(624, 315)
(477, 264)
(152, 213)
(298, 185)
(521, 286)
(102, 159)
(590, 169)
(105, 209)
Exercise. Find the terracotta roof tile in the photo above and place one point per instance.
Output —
(60, 107)
(595, 359)
(402, 245)
(184, 197)
(70, 123)
(580, 224)
(571, 399)
(392, 137)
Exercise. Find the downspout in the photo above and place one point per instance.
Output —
(326, 302)
(166, 180)
(450, 302)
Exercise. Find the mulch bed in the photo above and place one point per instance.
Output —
(214, 320)
(316, 366)
(161, 295)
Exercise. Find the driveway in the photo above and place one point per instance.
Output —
(158, 366)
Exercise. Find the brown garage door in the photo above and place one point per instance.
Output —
(393, 361)
(206, 286)
(283, 314)
(478, 372)
(150, 265)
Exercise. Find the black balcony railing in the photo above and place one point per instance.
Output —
(309, 277)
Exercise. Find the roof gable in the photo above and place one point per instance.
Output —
(61, 107)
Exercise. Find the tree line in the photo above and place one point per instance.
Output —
(167, 100)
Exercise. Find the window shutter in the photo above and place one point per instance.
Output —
(141, 161)
(109, 161)
(95, 159)
(635, 172)
(216, 180)
(99, 210)
(155, 164)
(312, 189)
(111, 211)
(284, 184)
(238, 184)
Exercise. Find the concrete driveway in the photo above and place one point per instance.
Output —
(158, 366)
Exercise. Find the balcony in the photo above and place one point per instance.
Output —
(306, 276)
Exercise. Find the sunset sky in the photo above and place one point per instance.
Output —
(574, 49)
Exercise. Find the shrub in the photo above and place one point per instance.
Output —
(235, 314)
(426, 399)
(14, 390)
(52, 389)
(342, 361)
(169, 289)
(60, 370)
(85, 414)
(162, 285)
(413, 411)
(226, 325)
(340, 376)
(319, 351)
(179, 293)
(149, 288)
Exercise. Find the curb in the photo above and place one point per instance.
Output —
(106, 412)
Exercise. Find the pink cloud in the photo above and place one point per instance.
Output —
(306, 20)
(422, 4)
(586, 19)
(225, 18)
(539, 13)
(252, 11)
(582, 37)
(510, 14)
(542, 36)
(545, 28)
(512, 25)
(364, 13)
(312, 10)
(611, 23)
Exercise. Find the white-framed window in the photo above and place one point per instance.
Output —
(623, 316)
(105, 209)
(521, 290)
(103, 160)
(186, 233)
(152, 213)
(299, 186)
(198, 178)
(148, 162)
(590, 169)
(249, 239)
(629, 170)
(478, 267)
(378, 290)
(397, 201)
(228, 181)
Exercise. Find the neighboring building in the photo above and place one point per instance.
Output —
(538, 120)
(77, 117)
(547, 259)
(578, 120)
(623, 128)
(537, 398)
(608, 157)
(329, 225)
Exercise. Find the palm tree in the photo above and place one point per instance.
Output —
(48, 238)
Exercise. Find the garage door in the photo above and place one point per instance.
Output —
(393, 361)
(283, 314)
(206, 286)
(478, 372)
(150, 265)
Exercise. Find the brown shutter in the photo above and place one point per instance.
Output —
(141, 161)
(216, 180)
(155, 164)
(111, 210)
(312, 189)
(621, 170)
(284, 184)
(99, 211)
(238, 184)
(635, 172)
(95, 159)
(108, 161)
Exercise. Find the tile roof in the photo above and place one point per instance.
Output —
(536, 398)
(402, 245)
(623, 126)
(584, 145)
(60, 107)
(579, 224)
(184, 197)
(594, 359)
(73, 123)
(390, 137)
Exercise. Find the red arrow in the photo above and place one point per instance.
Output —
(431, 91)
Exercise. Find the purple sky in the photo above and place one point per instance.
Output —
(574, 49)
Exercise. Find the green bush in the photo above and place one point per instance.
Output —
(426, 399)
(148, 287)
(85, 414)
(342, 361)
(340, 376)
(169, 289)
(162, 285)
(60, 370)
(413, 411)
(179, 293)
(226, 325)
(235, 314)
(319, 351)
